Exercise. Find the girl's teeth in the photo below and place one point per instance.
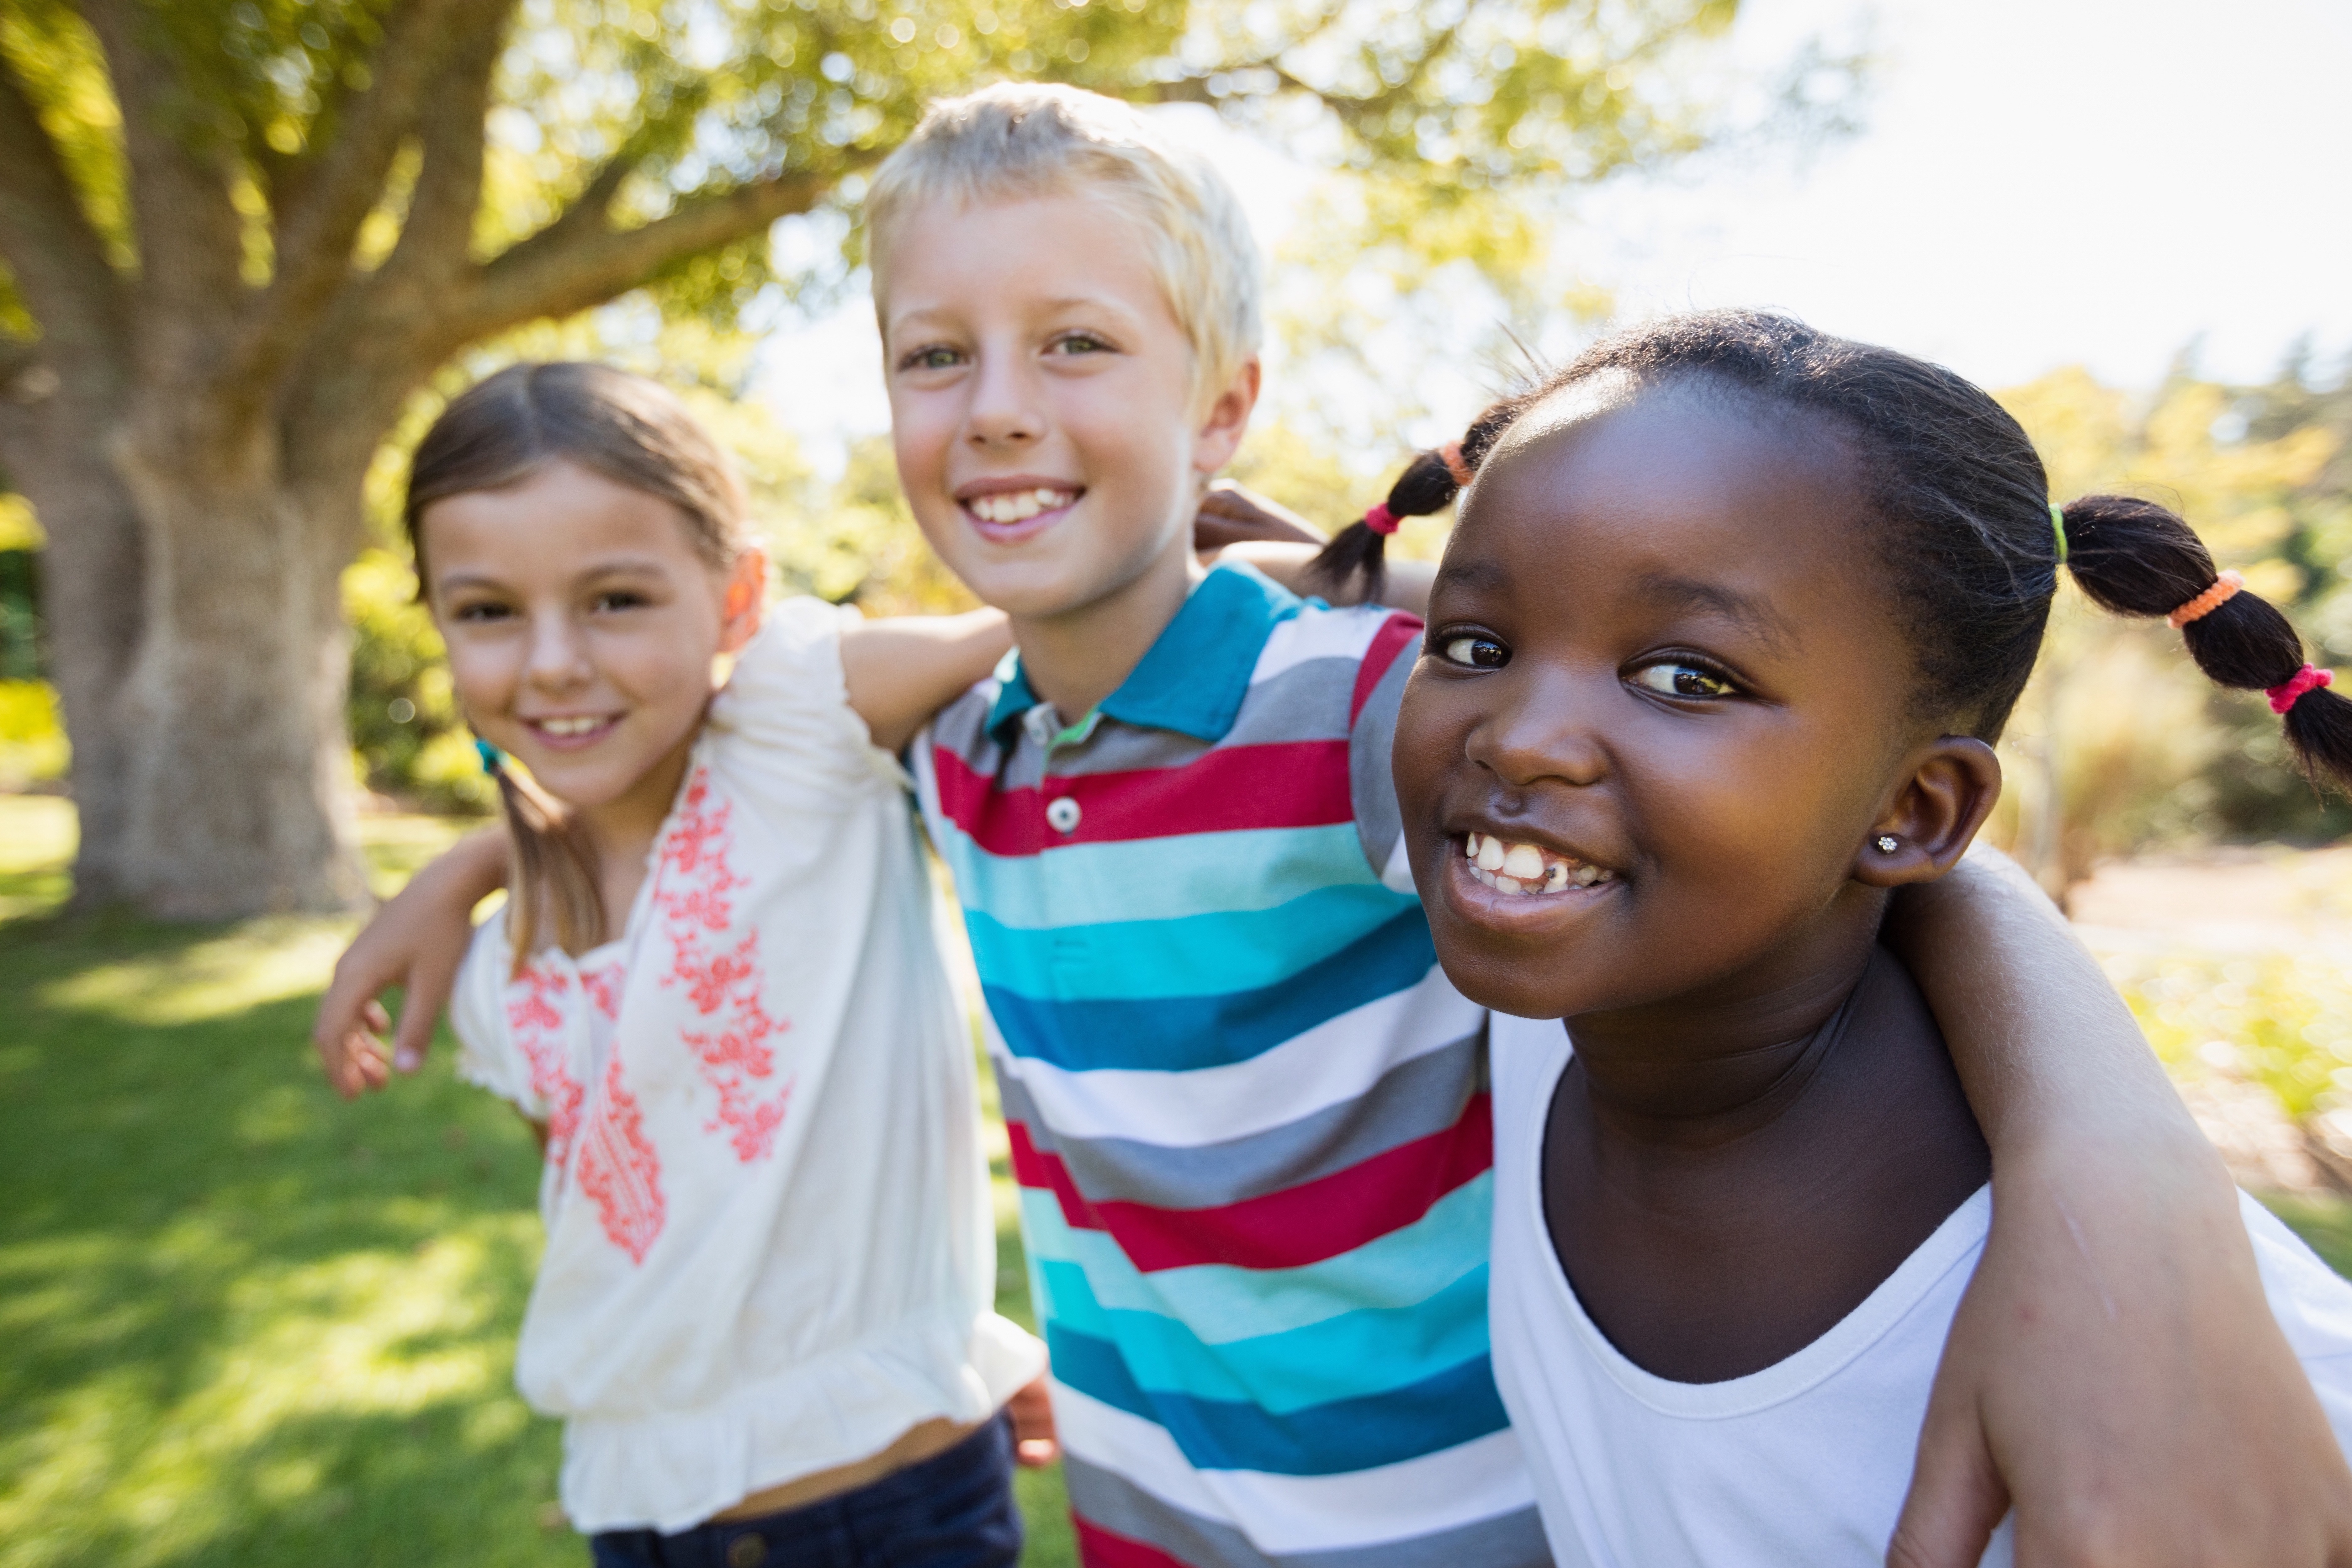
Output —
(1525, 869)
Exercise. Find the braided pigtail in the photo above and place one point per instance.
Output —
(554, 868)
(2138, 558)
(1428, 485)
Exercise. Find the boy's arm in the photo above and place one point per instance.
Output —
(902, 671)
(2114, 1371)
(416, 943)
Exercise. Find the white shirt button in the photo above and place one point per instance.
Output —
(1062, 815)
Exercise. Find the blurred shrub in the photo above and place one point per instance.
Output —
(2283, 1022)
(33, 747)
(407, 736)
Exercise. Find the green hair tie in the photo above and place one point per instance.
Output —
(2058, 527)
(492, 758)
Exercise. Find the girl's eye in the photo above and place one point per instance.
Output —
(1671, 678)
(1476, 652)
(939, 356)
(483, 611)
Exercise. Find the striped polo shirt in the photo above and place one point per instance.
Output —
(1248, 1115)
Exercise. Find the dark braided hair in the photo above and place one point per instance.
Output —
(1968, 535)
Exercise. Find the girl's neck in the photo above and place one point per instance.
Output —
(1074, 660)
(1710, 1066)
(622, 830)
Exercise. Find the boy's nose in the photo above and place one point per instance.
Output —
(1005, 410)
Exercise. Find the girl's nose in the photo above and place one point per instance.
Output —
(1005, 408)
(1544, 728)
(559, 655)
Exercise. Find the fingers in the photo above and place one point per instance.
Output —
(429, 983)
(1034, 1441)
(1956, 1497)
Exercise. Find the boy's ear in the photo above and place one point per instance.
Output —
(746, 602)
(1932, 814)
(1227, 419)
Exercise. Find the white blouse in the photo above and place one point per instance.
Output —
(770, 1249)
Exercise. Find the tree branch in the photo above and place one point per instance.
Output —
(57, 258)
(563, 268)
(341, 184)
(190, 240)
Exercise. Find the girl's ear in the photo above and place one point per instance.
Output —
(746, 603)
(1933, 815)
(1227, 420)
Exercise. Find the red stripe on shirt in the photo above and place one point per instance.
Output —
(1099, 1548)
(1396, 634)
(1286, 1229)
(1299, 783)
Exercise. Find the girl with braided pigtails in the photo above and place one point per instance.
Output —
(1731, 615)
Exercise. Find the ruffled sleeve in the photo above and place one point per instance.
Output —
(487, 1052)
(786, 710)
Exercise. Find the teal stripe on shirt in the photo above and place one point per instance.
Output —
(1409, 1265)
(1351, 1356)
(1199, 955)
(1151, 878)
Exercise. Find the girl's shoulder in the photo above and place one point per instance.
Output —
(785, 709)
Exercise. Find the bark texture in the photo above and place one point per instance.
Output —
(195, 443)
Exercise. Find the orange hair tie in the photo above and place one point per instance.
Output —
(2224, 588)
(1451, 455)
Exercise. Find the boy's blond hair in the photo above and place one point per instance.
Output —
(1022, 140)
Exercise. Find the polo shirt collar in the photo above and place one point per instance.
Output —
(1192, 679)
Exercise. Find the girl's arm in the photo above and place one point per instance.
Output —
(416, 942)
(2114, 1371)
(902, 671)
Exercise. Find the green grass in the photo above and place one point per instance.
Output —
(244, 1323)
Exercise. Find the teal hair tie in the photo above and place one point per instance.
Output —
(492, 758)
(2058, 527)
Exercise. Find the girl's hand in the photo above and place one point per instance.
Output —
(1034, 1442)
(416, 943)
(1237, 524)
(1231, 515)
(2115, 1372)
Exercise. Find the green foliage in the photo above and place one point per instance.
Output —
(33, 748)
(2283, 1022)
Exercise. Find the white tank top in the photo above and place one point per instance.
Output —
(1804, 1462)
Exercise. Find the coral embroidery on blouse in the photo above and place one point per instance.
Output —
(619, 1171)
(603, 987)
(721, 984)
(536, 1018)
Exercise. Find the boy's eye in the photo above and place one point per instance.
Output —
(1674, 677)
(937, 356)
(1476, 652)
(1080, 343)
(618, 599)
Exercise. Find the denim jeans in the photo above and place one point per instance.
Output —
(953, 1510)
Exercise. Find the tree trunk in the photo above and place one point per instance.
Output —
(239, 783)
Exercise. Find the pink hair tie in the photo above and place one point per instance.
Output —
(2224, 588)
(1380, 519)
(1451, 455)
(2290, 690)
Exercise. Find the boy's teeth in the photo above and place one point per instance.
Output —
(1019, 506)
(1525, 869)
(569, 726)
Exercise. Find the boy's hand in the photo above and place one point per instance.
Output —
(2114, 1371)
(1230, 514)
(416, 943)
(1034, 1444)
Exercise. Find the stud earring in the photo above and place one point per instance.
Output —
(1888, 844)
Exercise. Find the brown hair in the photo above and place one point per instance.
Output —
(633, 432)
